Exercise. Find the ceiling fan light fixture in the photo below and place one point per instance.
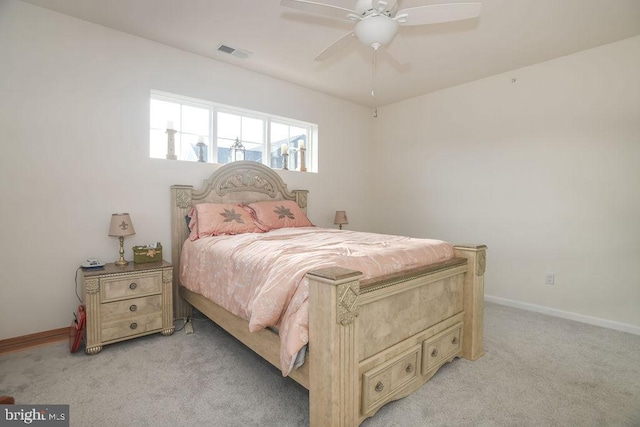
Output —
(376, 30)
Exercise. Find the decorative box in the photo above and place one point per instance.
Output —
(148, 253)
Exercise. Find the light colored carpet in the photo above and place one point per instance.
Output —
(537, 371)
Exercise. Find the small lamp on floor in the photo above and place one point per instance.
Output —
(341, 218)
(120, 227)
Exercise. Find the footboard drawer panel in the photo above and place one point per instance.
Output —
(390, 315)
(381, 382)
(441, 347)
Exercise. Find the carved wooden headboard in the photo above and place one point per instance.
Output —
(237, 182)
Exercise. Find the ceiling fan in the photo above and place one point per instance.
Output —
(377, 21)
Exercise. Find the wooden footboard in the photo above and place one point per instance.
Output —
(381, 340)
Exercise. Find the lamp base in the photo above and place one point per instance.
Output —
(121, 262)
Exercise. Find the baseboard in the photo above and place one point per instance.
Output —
(618, 326)
(33, 340)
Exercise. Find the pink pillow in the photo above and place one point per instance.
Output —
(279, 214)
(214, 219)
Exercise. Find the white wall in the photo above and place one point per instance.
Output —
(544, 170)
(74, 118)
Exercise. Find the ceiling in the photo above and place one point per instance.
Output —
(509, 34)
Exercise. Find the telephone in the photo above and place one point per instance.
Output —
(92, 263)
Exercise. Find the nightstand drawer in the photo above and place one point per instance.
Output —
(133, 326)
(115, 288)
(126, 309)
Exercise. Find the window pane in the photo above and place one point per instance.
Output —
(163, 112)
(188, 149)
(279, 133)
(195, 120)
(253, 152)
(297, 132)
(252, 130)
(275, 160)
(225, 143)
(279, 136)
(228, 126)
(224, 154)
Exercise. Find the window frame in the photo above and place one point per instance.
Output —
(214, 108)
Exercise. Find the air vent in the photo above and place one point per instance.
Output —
(238, 53)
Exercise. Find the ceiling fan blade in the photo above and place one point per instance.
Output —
(320, 8)
(437, 13)
(399, 51)
(335, 47)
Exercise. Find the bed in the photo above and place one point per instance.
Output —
(376, 339)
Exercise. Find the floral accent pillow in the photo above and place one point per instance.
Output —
(278, 214)
(214, 219)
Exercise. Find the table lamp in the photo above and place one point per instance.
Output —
(121, 226)
(341, 218)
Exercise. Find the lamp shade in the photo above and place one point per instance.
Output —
(121, 225)
(341, 218)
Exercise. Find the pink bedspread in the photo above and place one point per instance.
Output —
(261, 276)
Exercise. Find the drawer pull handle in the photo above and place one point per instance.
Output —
(379, 386)
(434, 353)
(133, 307)
(132, 286)
(133, 325)
(409, 368)
(454, 341)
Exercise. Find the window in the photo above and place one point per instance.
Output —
(205, 131)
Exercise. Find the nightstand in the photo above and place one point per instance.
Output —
(127, 302)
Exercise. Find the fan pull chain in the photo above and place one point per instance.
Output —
(374, 78)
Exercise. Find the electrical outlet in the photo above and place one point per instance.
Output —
(549, 278)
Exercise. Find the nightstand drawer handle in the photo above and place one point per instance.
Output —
(133, 325)
(379, 386)
(434, 353)
(454, 341)
(409, 368)
(132, 286)
(133, 307)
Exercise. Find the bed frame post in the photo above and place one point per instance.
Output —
(476, 255)
(180, 207)
(333, 351)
